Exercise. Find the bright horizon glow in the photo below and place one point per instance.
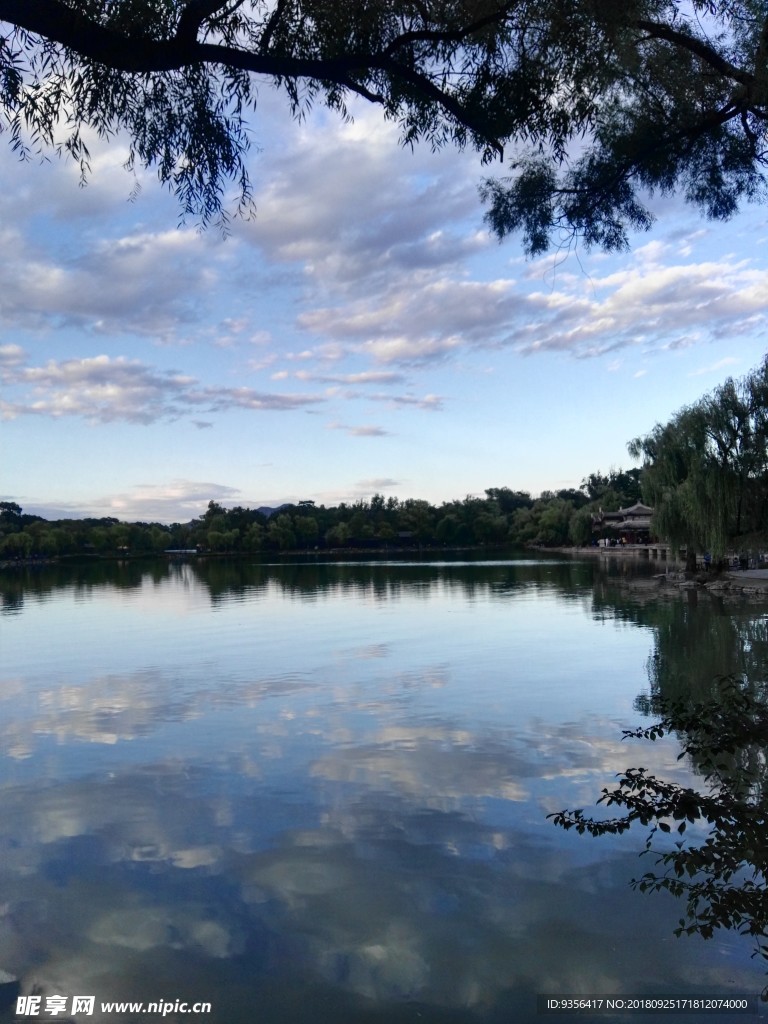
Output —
(363, 333)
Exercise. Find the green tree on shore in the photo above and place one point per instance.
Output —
(705, 471)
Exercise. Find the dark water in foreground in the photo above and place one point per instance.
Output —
(311, 793)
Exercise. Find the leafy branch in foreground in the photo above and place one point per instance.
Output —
(723, 877)
(598, 103)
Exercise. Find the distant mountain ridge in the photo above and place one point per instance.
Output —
(267, 511)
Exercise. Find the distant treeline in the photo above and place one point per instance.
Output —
(502, 517)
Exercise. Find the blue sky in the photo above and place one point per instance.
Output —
(362, 333)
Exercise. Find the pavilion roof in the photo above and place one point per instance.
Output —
(637, 509)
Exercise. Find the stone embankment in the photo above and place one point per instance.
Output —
(746, 581)
(750, 584)
(735, 583)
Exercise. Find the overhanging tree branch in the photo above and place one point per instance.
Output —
(88, 38)
(194, 14)
(274, 20)
(436, 36)
(646, 101)
(697, 47)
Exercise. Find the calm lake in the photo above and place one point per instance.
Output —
(318, 792)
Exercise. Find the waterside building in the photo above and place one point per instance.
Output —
(626, 526)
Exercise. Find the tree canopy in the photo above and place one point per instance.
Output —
(706, 471)
(598, 102)
(504, 517)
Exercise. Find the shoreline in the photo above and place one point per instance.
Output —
(81, 558)
(674, 579)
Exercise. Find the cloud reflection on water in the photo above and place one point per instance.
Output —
(383, 899)
(425, 876)
(360, 833)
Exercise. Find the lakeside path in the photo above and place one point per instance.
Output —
(750, 577)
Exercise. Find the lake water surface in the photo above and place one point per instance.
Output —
(318, 792)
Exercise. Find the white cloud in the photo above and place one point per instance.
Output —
(150, 284)
(438, 308)
(364, 377)
(386, 254)
(432, 403)
(715, 367)
(368, 431)
(256, 365)
(429, 317)
(53, 186)
(365, 430)
(378, 483)
(175, 501)
(102, 389)
(220, 399)
(646, 304)
(12, 355)
(389, 212)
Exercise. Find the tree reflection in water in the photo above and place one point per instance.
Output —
(715, 855)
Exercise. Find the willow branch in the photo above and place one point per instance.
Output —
(69, 27)
(447, 36)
